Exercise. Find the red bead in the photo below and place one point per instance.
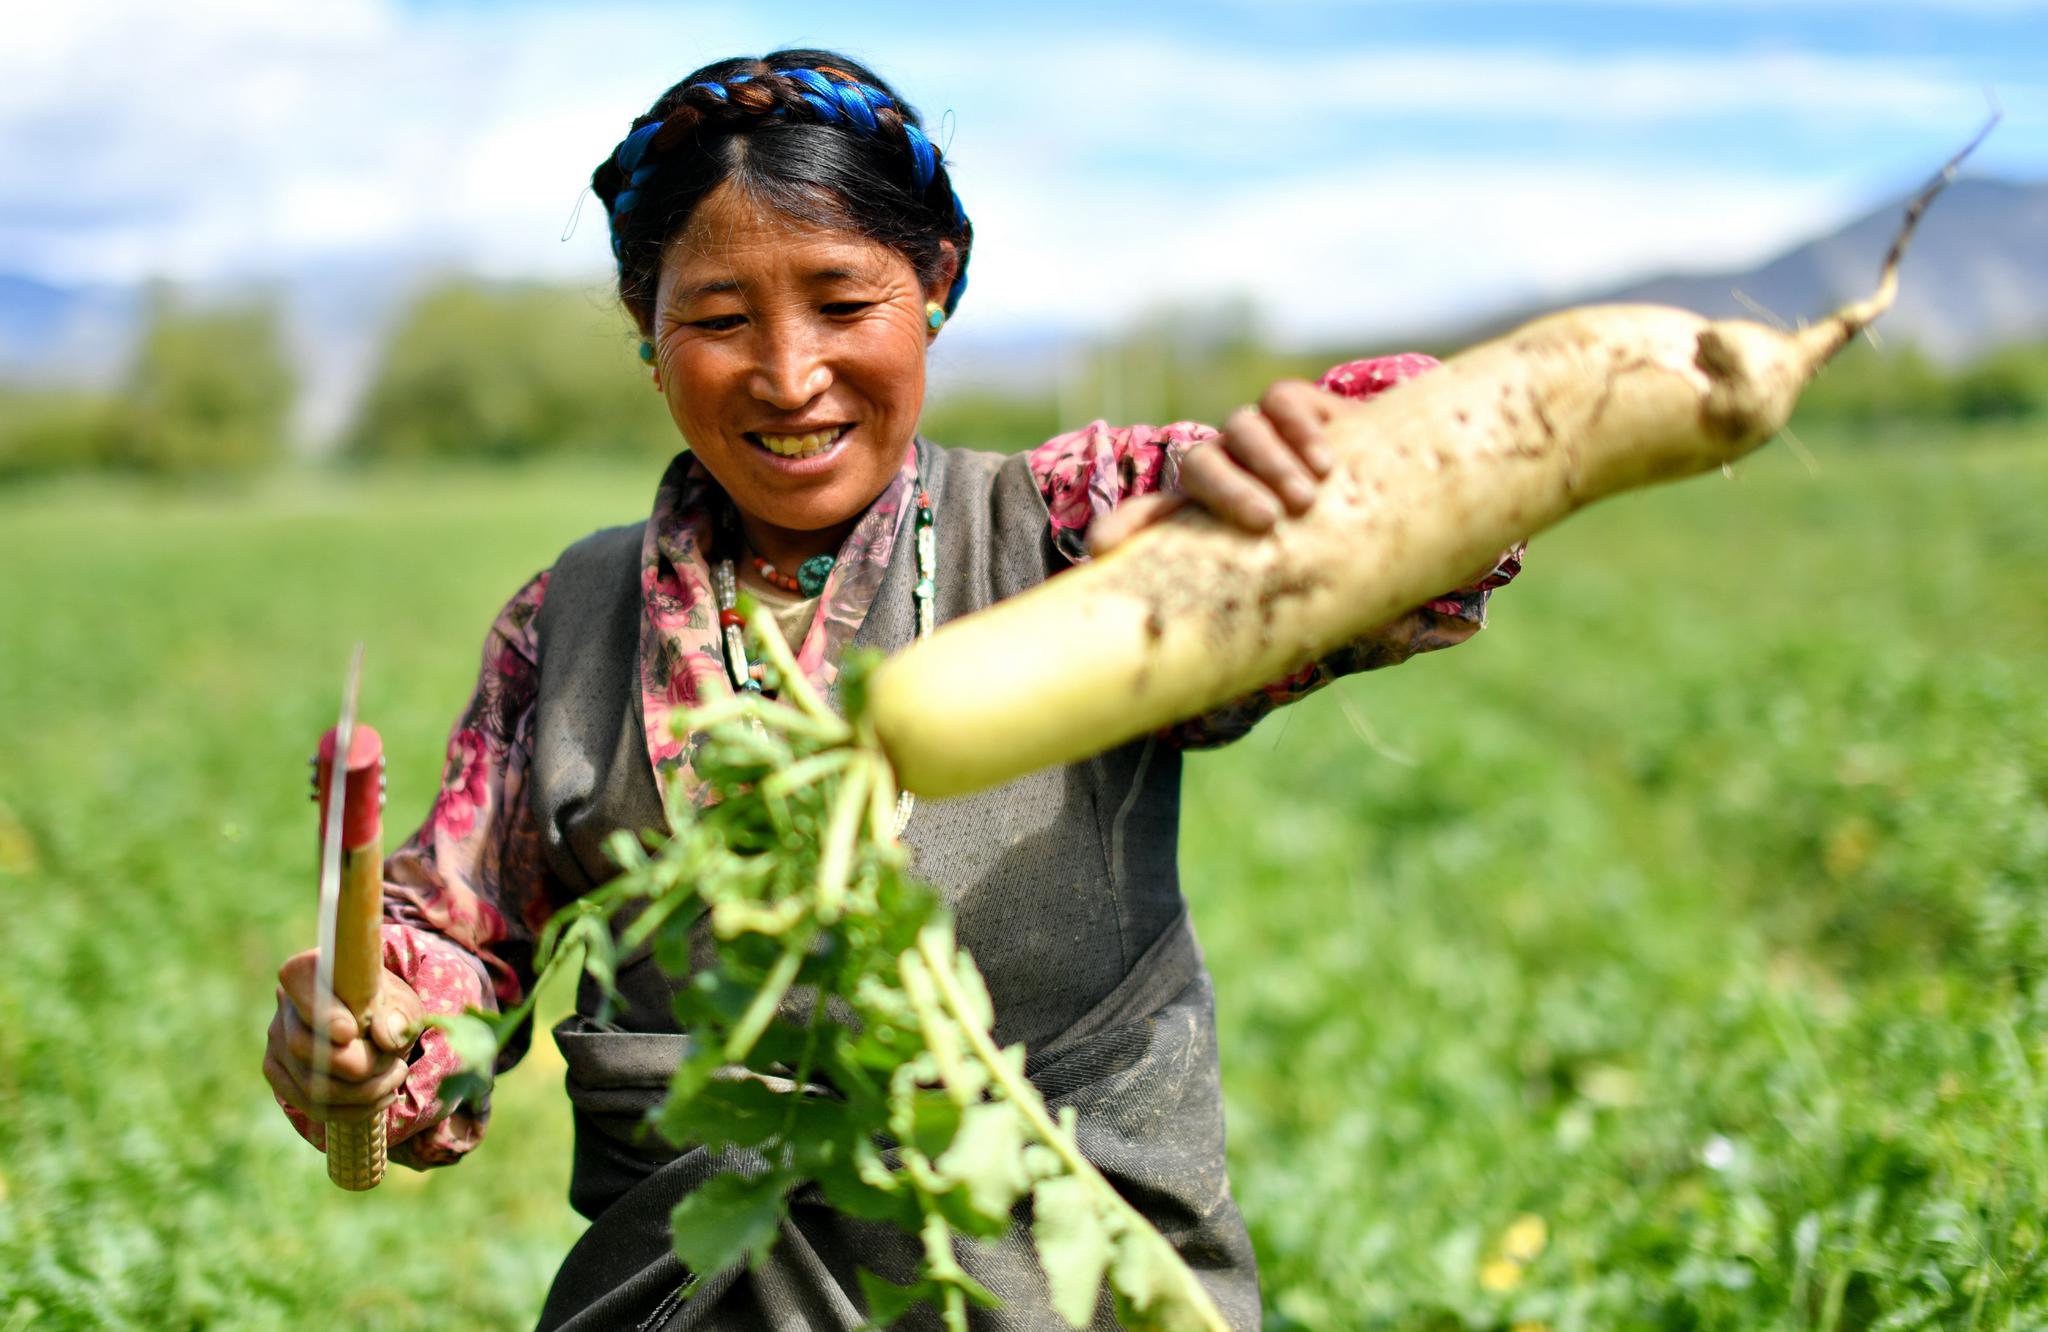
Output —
(775, 577)
(730, 619)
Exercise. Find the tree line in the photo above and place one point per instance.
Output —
(505, 373)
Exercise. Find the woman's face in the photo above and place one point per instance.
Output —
(792, 358)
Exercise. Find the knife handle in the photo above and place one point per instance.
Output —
(355, 1153)
(355, 1148)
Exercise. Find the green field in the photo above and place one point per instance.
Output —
(1696, 908)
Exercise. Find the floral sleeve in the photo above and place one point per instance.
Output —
(1087, 472)
(467, 894)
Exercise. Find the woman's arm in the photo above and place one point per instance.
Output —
(466, 895)
(1089, 473)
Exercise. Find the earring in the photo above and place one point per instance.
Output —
(647, 351)
(934, 315)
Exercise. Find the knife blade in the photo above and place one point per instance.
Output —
(349, 964)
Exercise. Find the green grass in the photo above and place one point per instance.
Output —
(1696, 908)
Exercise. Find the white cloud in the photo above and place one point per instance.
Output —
(241, 136)
(1643, 86)
(1417, 244)
(1204, 89)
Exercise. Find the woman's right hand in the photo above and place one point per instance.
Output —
(364, 1069)
(1265, 464)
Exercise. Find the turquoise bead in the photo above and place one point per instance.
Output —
(812, 573)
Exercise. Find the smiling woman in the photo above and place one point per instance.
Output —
(792, 358)
(789, 244)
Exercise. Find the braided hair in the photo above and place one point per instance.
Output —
(811, 134)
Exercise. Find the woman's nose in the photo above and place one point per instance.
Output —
(790, 370)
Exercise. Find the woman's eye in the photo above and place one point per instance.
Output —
(846, 307)
(718, 323)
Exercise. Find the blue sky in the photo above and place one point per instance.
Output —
(1346, 166)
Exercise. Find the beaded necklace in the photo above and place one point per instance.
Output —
(808, 581)
(725, 584)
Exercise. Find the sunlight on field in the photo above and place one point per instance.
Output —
(1669, 956)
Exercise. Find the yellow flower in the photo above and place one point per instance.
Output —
(1500, 1276)
(1525, 1238)
(1530, 1327)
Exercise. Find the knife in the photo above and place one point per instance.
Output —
(349, 787)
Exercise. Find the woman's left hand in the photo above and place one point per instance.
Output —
(1266, 463)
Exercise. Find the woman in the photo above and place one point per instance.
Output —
(789, 244)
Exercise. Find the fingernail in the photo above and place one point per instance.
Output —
(1301, 494)
(1320, 459)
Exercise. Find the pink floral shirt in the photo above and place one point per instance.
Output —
(467, 894)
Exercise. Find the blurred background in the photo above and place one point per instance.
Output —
(1669, 956)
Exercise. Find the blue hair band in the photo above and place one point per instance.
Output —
(634, 147)
(922, 157)
(811, 79)
(836, 102)
(854, 98)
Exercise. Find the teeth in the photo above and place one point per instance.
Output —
(798, 446)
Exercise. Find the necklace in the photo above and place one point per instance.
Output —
(725, 585)
(808, 581)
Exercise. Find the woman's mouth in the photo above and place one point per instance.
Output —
(798, 447)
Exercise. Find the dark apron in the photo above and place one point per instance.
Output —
(1063, 885)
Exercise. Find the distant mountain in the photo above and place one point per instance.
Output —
(67, 335)
(1975, 277)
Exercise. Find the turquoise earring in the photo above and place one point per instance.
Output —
(647, 351)
(934, 315)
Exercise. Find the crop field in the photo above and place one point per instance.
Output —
(1670, 956)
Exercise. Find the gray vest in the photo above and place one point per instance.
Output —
(1064, 888)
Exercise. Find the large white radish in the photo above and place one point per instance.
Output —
(1433, 479)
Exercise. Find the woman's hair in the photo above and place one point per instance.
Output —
(811, 134)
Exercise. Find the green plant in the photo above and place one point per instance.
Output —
(210, 390)
(891, 1094)
(507, 372)
(53, 430)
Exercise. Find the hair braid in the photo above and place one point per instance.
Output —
(700, 119)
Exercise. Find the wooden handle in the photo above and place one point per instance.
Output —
(355, 1148)
(355, 1153)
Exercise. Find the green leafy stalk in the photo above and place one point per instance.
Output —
(761, 1011)
(1157, 1282)
(842, 1037)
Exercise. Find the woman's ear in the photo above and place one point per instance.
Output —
(941, 285)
